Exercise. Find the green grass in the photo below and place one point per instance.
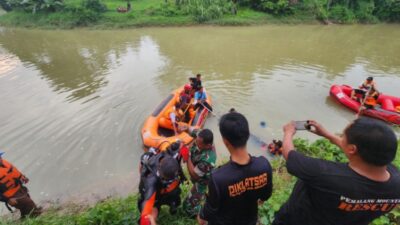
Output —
(143, 13)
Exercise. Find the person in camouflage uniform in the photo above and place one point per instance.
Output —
(199, 164)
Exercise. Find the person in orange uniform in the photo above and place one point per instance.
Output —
(171, 116)
(12, 190)
(159, 185)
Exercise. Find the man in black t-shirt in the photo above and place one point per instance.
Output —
(236, 188)
(353, 193)
(196, 82)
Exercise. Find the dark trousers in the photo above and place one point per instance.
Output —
(198, 105)
(25, 204)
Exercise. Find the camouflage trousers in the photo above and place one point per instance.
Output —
(196, 196)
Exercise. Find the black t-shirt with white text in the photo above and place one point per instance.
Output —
(234, 191)
(332, 193)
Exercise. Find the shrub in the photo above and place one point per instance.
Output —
(36, 5)
(205, 10)
(85, 17)
(317, 8)
(364, 12)
(388, 10)
(341, 14)
(94, 5)
(277, 7)
(5, 5)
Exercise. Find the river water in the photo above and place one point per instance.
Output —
(72, 103)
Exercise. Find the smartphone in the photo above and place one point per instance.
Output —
(302, 125)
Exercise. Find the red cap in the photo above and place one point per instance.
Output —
(187, 87)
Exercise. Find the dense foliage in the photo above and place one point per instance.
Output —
(125, 212)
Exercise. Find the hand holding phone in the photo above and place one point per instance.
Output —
(302, 125)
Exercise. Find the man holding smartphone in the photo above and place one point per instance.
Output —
(356, 192)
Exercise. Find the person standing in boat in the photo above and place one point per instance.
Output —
(363, 89)
(332, 193)
(200, 99)
(13, 192)
(237, 188)
(159, 185)
(200, 162)
(196, 82)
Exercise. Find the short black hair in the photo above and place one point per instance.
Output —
(207, 136)
(370, 78)
(169, 168)
(235, 129)
(376, 141)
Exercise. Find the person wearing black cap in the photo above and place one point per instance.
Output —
(195, 82)
(13, 192)
(236, 188)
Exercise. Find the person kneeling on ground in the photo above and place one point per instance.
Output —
(275, 147)
(332, 193)
(13, 192)
(159, 185)
(236, 188)
(200, 162)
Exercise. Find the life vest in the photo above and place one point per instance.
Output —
(178, 112)
(371, 101)
(10, 179)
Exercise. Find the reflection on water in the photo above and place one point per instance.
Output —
(73, 102)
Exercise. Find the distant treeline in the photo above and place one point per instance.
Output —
(337, 11)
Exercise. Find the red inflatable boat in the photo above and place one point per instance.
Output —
(387, 110)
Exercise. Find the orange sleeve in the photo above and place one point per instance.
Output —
(148, 205)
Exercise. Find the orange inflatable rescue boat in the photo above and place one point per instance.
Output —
(154, 133)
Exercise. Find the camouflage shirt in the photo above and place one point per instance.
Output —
(203, 162)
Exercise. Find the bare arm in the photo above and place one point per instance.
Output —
(319, 130)
(287, 145)
(290, 129)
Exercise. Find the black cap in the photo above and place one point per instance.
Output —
(370, 78)
(175, 146)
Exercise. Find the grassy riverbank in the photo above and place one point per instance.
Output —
(124, 211)
(144, 13)
(100, 14)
